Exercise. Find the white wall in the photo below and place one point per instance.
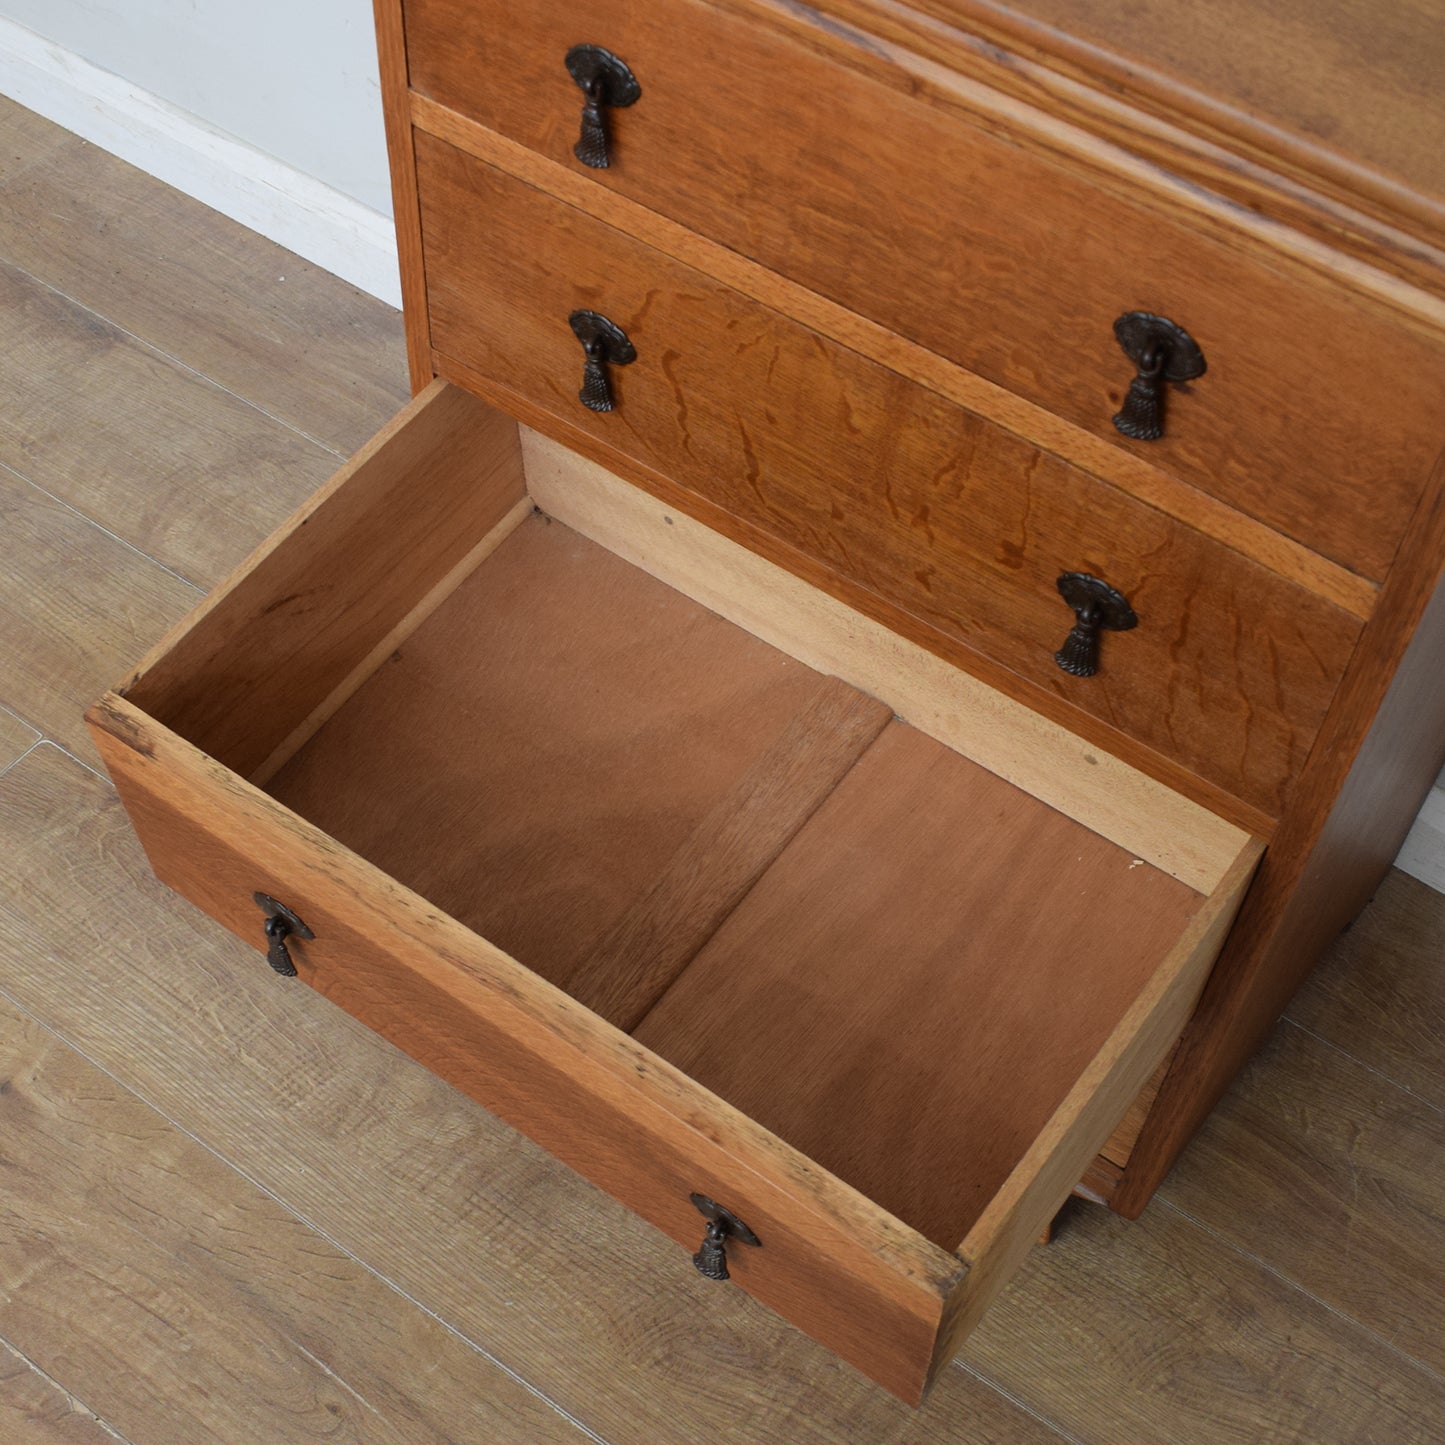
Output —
(293, 78)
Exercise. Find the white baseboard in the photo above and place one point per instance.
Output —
(318, 222)
(1423, 855)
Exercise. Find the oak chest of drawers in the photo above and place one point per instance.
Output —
(976, 494)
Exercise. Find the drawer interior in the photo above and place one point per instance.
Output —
(897, 942)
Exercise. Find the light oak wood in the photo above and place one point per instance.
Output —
(1346, 220)
(998, 1242)
(1380, 994)
(260, 1298)
(1133, 472)
(297, 343)
(466, 1218)
(307, 609)
(1377, 66)
(953, 933)
(1309, 1133)
(862, 1283)
(949, 527)
(1378, 754)
(342, 693)
(553, 758)
(75, 606)
(73, 383)
(1083, 782)
(1027, 262)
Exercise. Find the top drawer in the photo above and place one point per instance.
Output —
(1319, 415)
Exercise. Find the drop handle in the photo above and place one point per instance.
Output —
(1097, 608)
(711, 1259)
(604, 344)
(279, 924)
(1161, 352)
(606, 84)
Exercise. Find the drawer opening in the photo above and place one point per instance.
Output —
(684, 794)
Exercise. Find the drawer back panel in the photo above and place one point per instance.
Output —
(1013, 263)
(946, 524)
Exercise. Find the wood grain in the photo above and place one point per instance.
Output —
(27, 140)
(549, 758)
(889, 491)
(34, 1410)
(1133, 472)
(1067, 1147)
(1380, 750)
(1293, 197)
(1378, 68)
(293, 340)
(647, 948)
(1028, 262)
(204, 479)
(1379, 993)
(296, 619)
(1065, 771)
(76, 607)
(835, 1263)
(206, 1283)
(1178, 1339)
(1309, 1133)
(15, 738)
(392, 57)
(867, 962)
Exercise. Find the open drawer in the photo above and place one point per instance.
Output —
(706, 883)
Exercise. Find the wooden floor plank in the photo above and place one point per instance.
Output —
(27, 140)
(183, 1303)
(1337, 1177)
(1380, 993)
(259, 320)
(179, 468)
(597, 1309)
(77, 608)
(1154, 1333)
(15, 737)
(34, 1410)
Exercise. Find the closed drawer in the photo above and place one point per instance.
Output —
(385, 751)
(1319, 415)
(945, 526)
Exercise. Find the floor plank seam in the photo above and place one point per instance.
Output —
(15, 762)
(1298, 1288)
(196, 587)
(76, 1402)
(297, 1214)
(1394, 1083)
(1051, 1425)
(165, 355)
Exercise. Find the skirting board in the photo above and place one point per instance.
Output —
(1423, 855)
(316, 221)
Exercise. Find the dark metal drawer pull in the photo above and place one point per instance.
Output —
(605, 81)
(1097, 607)
(604, 344)
(1162, 352)
(722, 1225)
(281, 923)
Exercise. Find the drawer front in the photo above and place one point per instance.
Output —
(1318, 415)
(943, 525)
(841, 1269)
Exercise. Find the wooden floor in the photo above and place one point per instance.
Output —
(223, 1219)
